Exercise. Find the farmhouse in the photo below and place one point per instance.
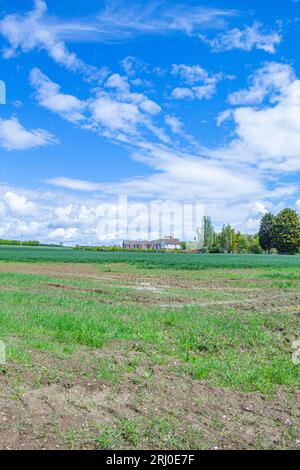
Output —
(166, 243)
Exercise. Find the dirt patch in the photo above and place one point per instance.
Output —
(74, 288)
(63, 415)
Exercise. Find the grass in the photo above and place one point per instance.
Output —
(241, 351)
(147, 260)
(231, 329)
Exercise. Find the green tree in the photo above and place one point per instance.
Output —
(208, 232)
(286, 232)
(254, 246)
(242, 244)
(226, 238)
(233, 241)
(265, 231)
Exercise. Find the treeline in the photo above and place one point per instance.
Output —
(277, 234)
(227, 241)
(17, 242)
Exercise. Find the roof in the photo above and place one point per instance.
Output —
(136, 241)
(167, 240)
(172, 241)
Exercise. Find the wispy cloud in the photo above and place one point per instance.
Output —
(118, 21)
(14, 136)
(119, 18)
(74, 184)
(49, 96)
(25, 32)
(247, 39)
(35, 30)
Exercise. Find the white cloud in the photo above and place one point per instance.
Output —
(180, 93)
(258, 210)
(180, 177)
(247, 39)
(198, 83)
(116, 115)
(118, 82)
(13, 136)
(49, 96)
(190, 74)
(132, 64)
(267, 136)
(197, 92)
(70, 183)
(272, 80)
(34, 30)
(113, 111)
(73, 214)
(122, 20)
(123, 93)
(273, 134)
(18, 204)
(64, 234)
(117, 21)
(175, 124)
(223, 116)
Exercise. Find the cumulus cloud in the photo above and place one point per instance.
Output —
(247, 39)
(122, 93)
(14, 136)
(272, 81)
(132, 65)
(273, 134)
(18, 204)
(198, 83)
(190, 74)
(113, 110)
(64, 234)
(116, 115)
(267, 136)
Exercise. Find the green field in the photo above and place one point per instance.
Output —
(138, 350)
(147, 260)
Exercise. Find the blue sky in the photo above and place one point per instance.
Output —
(161, 101)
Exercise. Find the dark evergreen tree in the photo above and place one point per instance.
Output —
(265, 231)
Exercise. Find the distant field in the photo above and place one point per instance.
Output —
(147, 260)
(114, 351)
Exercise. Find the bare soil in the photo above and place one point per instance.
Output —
(70, 413)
